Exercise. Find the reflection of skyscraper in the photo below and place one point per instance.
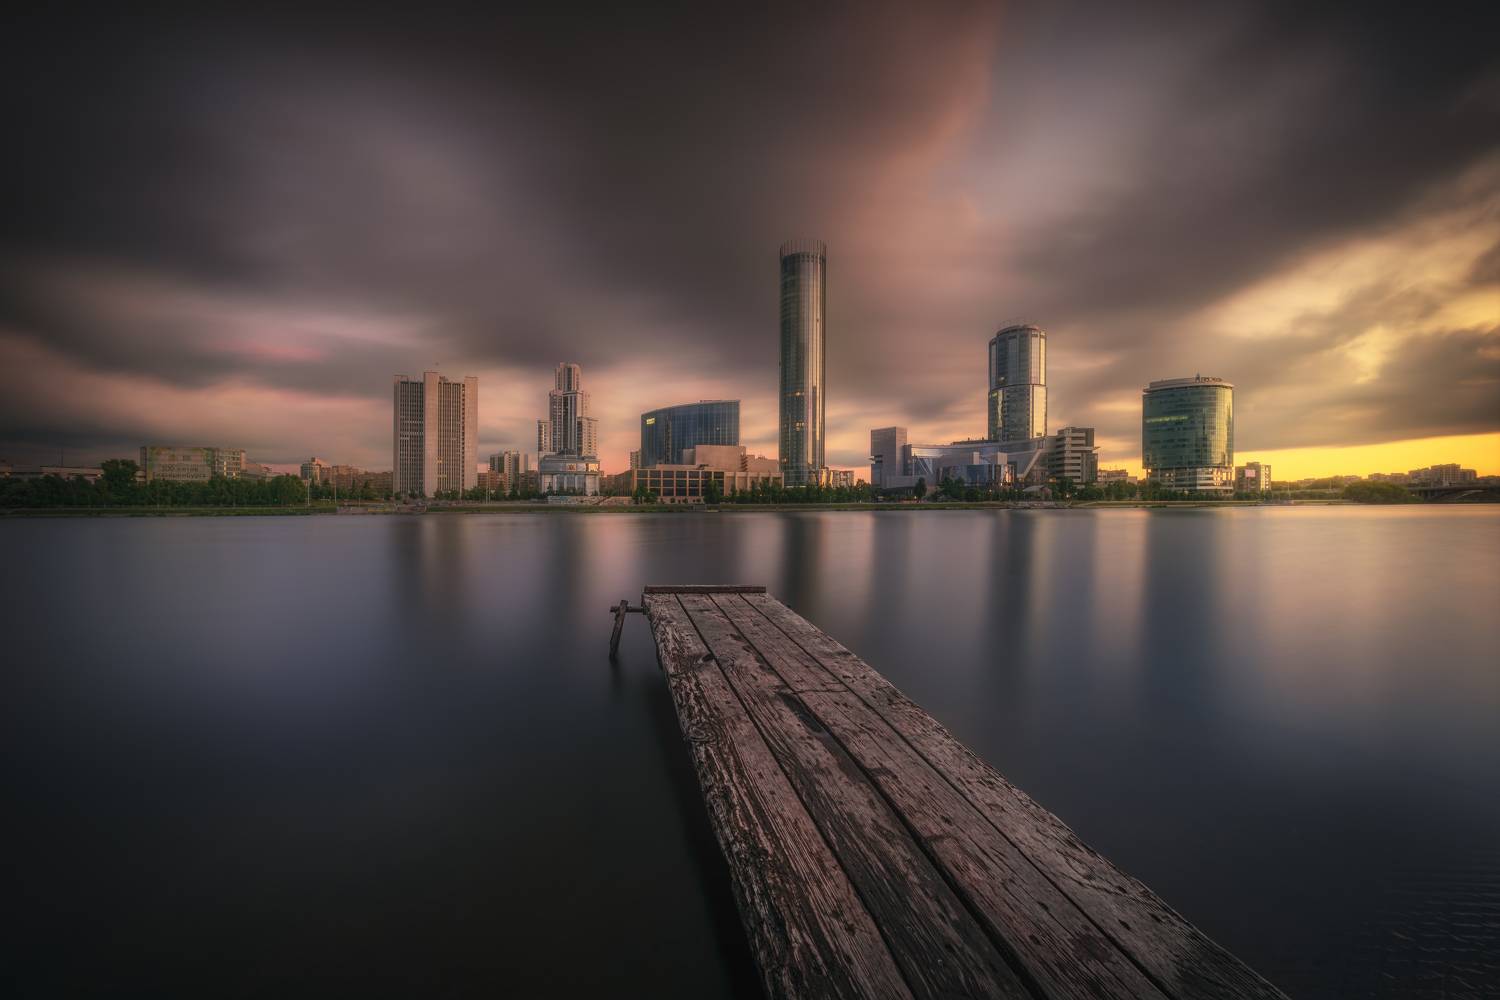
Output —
(570, 430)
(1187, 433)
(435, 445)
(803, 332)
(1018, 383)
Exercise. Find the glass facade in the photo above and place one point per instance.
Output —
(667, 432)
(1018, 384)
(1187, 433)
(803, 301)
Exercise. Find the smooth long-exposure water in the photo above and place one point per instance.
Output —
(390, 755)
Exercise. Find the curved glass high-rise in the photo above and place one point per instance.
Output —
(1018, 383)
(667, 432)
(1187, 433)
(804, 265)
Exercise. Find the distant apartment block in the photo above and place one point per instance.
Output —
(512, 468)
(841, 479)
(434, 434)
(1073, 455)
(314, 470)
(1252, 477)
(1442, 475)
(191, 464)
(1107, 476)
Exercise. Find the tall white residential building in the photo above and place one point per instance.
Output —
(434, 434)
(569, 428)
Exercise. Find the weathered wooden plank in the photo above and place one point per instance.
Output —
(938, 943)
(1180, 958)
(1061, 950)
(703, 588)
(809, 931)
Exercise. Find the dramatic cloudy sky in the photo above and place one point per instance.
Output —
(235, 230)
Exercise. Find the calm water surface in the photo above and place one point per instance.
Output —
(389, 755)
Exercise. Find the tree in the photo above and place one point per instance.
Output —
(289, 490)
(119, 479)
(920, 490)
(1378, 493)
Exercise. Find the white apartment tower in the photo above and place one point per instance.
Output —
(434, 434)
(568, 430)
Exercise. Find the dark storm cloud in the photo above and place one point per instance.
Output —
(312, 202)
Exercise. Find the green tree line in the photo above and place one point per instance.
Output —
(118, 487)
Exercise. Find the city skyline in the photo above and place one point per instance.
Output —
(378, 204)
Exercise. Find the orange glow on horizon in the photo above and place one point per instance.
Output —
(1480, 452)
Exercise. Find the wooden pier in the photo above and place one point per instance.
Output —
(873, 855)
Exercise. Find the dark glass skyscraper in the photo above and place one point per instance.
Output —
(1018, 383)
(666, 432)
(1187, 433)
(804, 265)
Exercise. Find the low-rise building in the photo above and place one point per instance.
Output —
(90, 473)
(842, 479)
(983, 463)
(728, 467)
(1072, 455)
(1252, 477)
(564, 473)
(1107, 476)
(191, 464)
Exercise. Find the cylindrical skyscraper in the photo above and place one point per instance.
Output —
(804, 266)
(1018, 383)
(1187, 433)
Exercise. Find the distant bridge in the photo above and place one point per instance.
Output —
(1458, 492)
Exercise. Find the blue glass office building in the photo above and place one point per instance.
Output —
(1018, 384)
(1187, 434)
(666, 432)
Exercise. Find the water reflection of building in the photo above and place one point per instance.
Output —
(1187, 433)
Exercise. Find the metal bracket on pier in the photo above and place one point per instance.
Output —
(620, 611)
